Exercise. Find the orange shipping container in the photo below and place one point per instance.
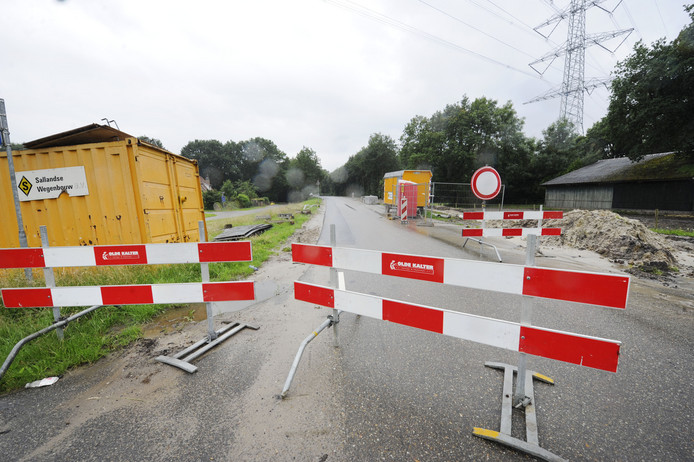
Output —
(98, 185)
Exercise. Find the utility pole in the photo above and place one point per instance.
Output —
(5, 141)
(574, 51)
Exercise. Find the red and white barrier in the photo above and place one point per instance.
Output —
(582, 287)
(508, 232)
(512, 215)
(137, 254)
(578, 349)
(128, 294)
(403, 208)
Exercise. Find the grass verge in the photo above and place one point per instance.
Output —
(107, 329)
(674, 232)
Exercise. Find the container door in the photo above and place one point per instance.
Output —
(189, 197)
(159, 200)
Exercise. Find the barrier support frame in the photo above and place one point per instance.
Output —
(480, 241)
(214, 337)
(521, 397)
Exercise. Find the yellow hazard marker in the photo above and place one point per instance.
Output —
(484, 433)
(544, 378)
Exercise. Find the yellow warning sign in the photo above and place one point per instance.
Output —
(25, 185)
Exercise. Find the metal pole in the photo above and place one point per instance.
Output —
(205, 270)
(297, 358)
(519, 397)
(25, 340)
(5, 135)
(334, 283)
(484, 205)
(50, 281)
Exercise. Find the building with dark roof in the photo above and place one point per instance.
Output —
(659, 181)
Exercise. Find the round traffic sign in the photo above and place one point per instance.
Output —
(486, 183)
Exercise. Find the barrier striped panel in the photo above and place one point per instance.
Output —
(136, 254)
(194, 292)
(593, 352)
(509, 232)
(602, 289)
(513, 215)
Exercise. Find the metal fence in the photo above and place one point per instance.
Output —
(460, 196)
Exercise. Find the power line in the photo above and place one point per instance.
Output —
(661, 17)
(526, 25)
(382, 18)
(475, 28)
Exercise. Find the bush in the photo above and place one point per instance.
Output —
(209, 198)
(244, 201)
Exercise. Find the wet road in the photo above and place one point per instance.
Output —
(414, 395)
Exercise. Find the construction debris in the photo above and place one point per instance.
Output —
(242, 232)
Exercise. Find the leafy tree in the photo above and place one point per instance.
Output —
(363, 172)
(228, 190)
(462, 137)
(152, 141)
(554, 156)
(215, 160)
(265, 165)
(308, 163)
(652, 98)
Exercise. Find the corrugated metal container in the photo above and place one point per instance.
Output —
(419, 177)
(97, 185)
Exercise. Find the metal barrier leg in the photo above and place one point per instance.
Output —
(297, 358)
(25, 340)
(481, 243)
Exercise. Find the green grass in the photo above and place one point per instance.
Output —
(674, 232)
(107, 329)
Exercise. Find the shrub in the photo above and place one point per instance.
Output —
(209, 198)
(244, 201)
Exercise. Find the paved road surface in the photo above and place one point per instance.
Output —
(389, 392)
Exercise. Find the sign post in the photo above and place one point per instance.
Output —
(485, 184)
(5, 140)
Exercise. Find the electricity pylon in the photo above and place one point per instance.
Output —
(574, 51)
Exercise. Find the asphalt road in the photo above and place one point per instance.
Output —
(389, 392)
(414, 395)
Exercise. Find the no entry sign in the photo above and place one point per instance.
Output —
(486, 183)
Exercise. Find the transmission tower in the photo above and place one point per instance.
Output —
(574, 51)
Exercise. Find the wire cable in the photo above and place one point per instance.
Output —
(476, 28)
(382, 18)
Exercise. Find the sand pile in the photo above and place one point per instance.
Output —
(622, 240)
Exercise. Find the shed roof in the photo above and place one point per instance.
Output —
(662, 166)
(93, 133)
(400, 173)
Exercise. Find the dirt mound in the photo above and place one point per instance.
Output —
(622, 240)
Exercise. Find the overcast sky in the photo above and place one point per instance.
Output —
(318, 73)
